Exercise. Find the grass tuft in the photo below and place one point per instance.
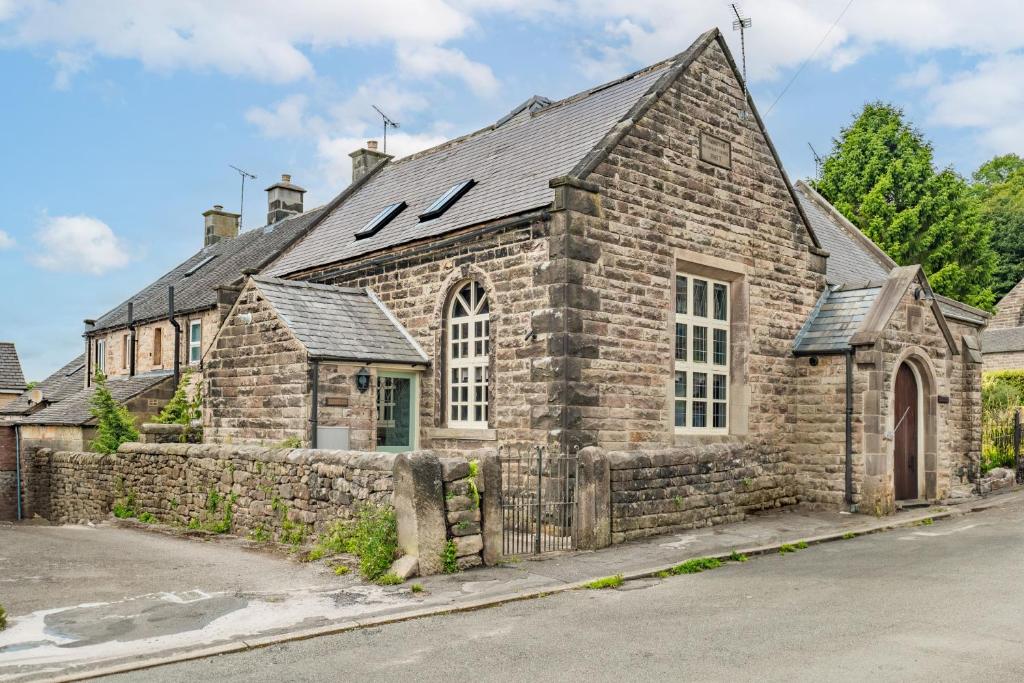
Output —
(696, 565)
(606, 582)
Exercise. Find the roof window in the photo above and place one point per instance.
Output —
(191, 271)
(380, 220)
(445, 201)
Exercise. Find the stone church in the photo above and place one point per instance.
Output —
(628, 268)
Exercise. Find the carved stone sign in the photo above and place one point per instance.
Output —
(715, 150)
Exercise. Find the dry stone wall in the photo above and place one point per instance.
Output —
(462, 498)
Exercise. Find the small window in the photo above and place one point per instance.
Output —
(380, 220)
(126, 350)
(101, 355)
(191, 271)
(701, 383)
(444, 202)
(158, 346)
(195, 341)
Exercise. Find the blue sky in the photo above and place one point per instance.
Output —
(119, 123)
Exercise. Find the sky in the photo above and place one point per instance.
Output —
(120, 121)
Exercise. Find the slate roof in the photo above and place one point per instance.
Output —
(68, 380)
(1003, 340)
(855, 260)
(511, 162)
(74, 409)
(11, 376)
(836, 319)
(340, 323)
(251, 249)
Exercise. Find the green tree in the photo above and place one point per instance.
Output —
(999, 188)
(881, 175)
(183, 409)
(114, 424)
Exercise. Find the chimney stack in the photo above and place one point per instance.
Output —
(365, 159)
(219, 225)
(284, 199)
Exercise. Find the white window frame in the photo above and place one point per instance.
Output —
(194, 344)
(126, 343)
(101, 356)
(468, 368)
(689, 367)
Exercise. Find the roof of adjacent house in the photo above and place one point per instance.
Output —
(11, 376)
(1003, 340)
(227, 259)
(511, 163)
(341, 323)
(66, 381)
(855, 260)
(74, 410)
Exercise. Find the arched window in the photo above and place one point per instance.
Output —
(469, 347)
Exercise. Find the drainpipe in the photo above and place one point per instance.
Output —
(313, 418)
(849, 427)
(177, 336)
(131, 339)
(17, 467)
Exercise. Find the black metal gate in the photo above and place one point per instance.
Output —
(538, 500)
(1001, 438)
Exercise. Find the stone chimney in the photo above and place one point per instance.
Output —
(283, 199)
(365, 159)
(219, 225)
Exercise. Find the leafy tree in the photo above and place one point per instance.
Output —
(881, 175)
(114, 424)
(999, 188)
(183, 409)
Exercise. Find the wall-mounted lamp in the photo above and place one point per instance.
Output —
(813, 361)
(363, 380)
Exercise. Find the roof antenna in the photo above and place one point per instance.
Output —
(241, 206)
(388, 123)
(817, 161)
(741, 24)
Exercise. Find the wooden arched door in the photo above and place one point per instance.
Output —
(905, 434)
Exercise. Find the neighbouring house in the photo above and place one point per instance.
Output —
(1003, 342)
(141, 335)
(12, 379)
(629, 269)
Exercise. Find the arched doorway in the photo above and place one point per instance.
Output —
(906, 437)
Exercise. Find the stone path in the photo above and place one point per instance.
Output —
(107, 598)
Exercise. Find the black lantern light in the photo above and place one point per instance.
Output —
(363, 380)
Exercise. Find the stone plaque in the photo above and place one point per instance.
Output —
(715, 150)
(336, 401)
(942, 399)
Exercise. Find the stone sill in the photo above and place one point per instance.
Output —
(463, 434)
(705, 439)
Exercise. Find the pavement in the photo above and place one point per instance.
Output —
(88, 600)
(927, 603)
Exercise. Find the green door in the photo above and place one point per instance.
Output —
(396, 411)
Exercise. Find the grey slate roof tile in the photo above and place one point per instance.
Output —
(1003, 340)
(66, 381)
(511, 163)
(11, 376)
(74, 409)
(340, 323)
(251, 249)
(836, 319)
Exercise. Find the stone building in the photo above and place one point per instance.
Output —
(630, 268)
(1004, 338)
(140, 335)
(12, 379)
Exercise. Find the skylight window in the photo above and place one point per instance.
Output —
(380, 220)
(191, 271)
(445, 201)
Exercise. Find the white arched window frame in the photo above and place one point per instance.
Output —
(468, 357)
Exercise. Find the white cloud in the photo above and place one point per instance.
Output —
(425, 61)
(6, 241)
(68, 65)
(79, 244)
(286, 119)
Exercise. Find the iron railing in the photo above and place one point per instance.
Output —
(538, 500)
(1001, 442)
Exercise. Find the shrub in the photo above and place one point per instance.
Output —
(114, 424)
(3, 618)
(1001, 390)
(372, 536)
(184, 410)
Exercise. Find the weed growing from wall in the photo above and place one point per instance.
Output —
(450, 558)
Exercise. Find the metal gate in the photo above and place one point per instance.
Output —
(538, 500)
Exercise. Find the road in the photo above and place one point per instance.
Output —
(931, 603)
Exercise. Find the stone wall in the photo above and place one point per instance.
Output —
(665, 491)
(257, 379)
(275, 492)
(462, 506)
(1004, 361)
(8, 474)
